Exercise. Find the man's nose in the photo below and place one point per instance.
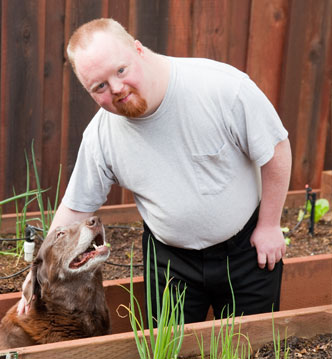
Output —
(116, 86)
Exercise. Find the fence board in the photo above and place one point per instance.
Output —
(78, 106)
(284, 45)
(304, 88)
(151, 17)
(266, 43)
(51, 137)
(21, 88)
(180, 28)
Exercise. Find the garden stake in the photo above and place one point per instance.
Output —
(311, 196)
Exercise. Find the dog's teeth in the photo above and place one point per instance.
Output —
(95, 247)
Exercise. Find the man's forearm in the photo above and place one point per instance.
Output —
(275, 183)
(65, 216)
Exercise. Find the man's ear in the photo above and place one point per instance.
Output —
(139, 47)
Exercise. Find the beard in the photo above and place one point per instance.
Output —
(135, 107)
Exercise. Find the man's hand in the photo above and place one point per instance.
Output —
(23, 306)
(270, 245)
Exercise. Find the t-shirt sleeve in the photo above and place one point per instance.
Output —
(255, 124)
(91, 179)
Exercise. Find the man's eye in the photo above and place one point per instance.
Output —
(101, 86)
(121, 70)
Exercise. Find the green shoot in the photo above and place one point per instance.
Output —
(226, 344)
(277, 341)
(166, 340)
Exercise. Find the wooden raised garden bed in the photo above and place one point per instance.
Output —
(306, 307)
(306, 310)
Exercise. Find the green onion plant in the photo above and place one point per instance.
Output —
(226, 343)
(165, 341)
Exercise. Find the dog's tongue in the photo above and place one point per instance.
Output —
(86, 256)
(82, 259)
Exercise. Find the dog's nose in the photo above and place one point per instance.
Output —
(93, 221)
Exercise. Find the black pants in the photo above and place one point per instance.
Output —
(204, 272)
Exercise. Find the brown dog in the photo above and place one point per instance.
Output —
(65, 290)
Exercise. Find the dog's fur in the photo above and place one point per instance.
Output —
(65, 290)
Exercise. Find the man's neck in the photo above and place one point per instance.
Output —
(160, 66)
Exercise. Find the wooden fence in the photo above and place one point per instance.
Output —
(284, 45)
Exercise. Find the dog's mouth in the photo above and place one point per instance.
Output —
(96, 248)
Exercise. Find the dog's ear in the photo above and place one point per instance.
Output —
(32, 286)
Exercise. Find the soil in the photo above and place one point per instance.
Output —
(124, 238)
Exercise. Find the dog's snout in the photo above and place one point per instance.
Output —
(93, 221)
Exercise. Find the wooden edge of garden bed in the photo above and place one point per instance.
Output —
(127, 213)
(305, 322)
(306, 283)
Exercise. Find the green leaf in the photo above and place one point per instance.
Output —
(321, 207)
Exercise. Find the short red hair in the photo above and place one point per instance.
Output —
(82, 35)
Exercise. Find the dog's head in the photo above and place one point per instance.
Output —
(68, 252)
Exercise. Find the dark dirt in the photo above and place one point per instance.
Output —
(123, 237)
(318, 347)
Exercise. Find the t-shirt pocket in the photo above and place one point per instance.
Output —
(213, 171)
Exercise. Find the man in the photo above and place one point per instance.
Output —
(205, 155)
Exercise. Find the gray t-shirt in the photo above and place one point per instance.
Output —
(193, 165)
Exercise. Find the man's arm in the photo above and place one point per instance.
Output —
(65, 216)
(267, 236)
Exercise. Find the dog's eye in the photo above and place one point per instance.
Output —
(59, 234)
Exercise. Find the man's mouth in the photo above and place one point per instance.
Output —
(124, 99)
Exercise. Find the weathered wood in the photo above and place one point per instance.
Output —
(211, 28)
(306, 282)
(264, 62)
(305, 86)
(21, 90)
(180, 28)
(238, 33)
(78, 108)
(302, 277)
(305, 322)
(326, 189)
(296, 199)
(52, 106)
(220, 30)
(122, 213)
(41, 98)
(151, 24)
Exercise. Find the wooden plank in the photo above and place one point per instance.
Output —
(180, 28)
(151, 24)
(53, 65)
(306, 282)
(302, 277)
(296, 199)
(268, 25)
(326, 186)
(78, 107)
(238, 33)
(210, 29)
(303, 104)
(125, 213)
(119, 11)
(220, 30)
(306, 322)
(21, 89)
